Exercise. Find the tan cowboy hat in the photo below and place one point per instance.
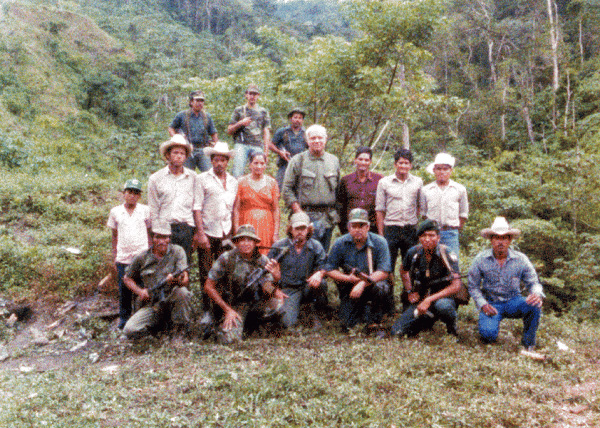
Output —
(500, 227)
(441, 159)
(176, 140)
(220, 148)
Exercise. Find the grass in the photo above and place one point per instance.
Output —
(320, 380)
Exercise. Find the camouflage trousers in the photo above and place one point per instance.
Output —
(253, 315)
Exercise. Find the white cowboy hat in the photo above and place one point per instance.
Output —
(500, 227)
(176, 140)
(220, 148)
(441, 159)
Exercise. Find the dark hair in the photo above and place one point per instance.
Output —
(403, 153)
(364, 149)
(255, 153)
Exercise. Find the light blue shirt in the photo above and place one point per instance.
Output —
(489, 282)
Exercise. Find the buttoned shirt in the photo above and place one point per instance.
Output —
(149, 270)
(216, 203)
(489, 282)
(193, 126)
(446, 205)
(252, 134)
(344, 252)
(132, 231)
(294, 143)
(352, 193)
(172, 198)
(399, 200)
(296, 267)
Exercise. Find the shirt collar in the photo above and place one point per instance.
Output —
(409, 177)
(354, 176)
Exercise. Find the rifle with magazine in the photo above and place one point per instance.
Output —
(158, 293)
(252, 287)
(462, 297)
(350, 270)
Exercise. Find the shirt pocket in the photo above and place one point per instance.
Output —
(332, 180)
(307, 179)
(515, 285)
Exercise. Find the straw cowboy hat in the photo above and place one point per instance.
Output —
(500, 227)
(220, 148)
(176, 140)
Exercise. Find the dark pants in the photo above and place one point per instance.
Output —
(125, 296)
(182, 234)
(443, 309)
(400, 239)
(369, 308)
(206, 258)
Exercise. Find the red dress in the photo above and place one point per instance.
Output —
(257, 208)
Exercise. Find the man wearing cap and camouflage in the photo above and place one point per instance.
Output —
(301, 268)
(445, 201)
(430, 277)
(495, 280)
(149, 269)
(250, 126)
(310, 185)
(130, 225)
(198, 128)
(172, 195)
(289, 141)
(359, 263)
(237, 309)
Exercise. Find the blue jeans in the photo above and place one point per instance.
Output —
(291, 305)
(368, 308)
(513, 308)
(198, 160)
(125, 296)
(240, 160)
(280, 175)
(443, 309)
(450, 239)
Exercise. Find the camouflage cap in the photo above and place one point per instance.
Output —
(161, 227)
(133, 184)
(427, 225)
(358, 215)
(253, 88)
(296, 110)
(196, 94)
(246, 230)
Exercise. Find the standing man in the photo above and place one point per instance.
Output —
(217, 190)
(150, 268)
(494, 283)
(445, 201)
(430, 276)
(172, 195)
(301, 268)
(358, 189)
(310, 185)
(359, 263)
(250, 126)
(289, 141)
(198, 128)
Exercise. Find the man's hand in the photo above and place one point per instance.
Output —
(201, 241)
(232, 319)
(534, 300)
(489, 310)
(285, 155)
(358, 289)
(423, 306)
(144, 295)
(245, 121)
(413, 297)
(315, 279)
(279, 295)
(274, 269)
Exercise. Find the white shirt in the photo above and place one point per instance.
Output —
(216, 202)
(172, 197)
(132, 233)
(445, 205)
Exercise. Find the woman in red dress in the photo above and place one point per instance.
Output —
(257, 202)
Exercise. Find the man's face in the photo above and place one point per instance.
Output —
(177, 156)
(252, 97)
(296, 120)
(402, 165)
(358, 231)
(131, 196)
(316, 144)
(160, 242)
(429, 240)
(442, 173)
(219, 163)
(500, 244)
(299, 233)
(245, 245)
(197, 104)
(362, 162)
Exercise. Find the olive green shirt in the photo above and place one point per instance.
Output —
(149, 270)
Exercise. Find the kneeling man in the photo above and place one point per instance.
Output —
(359, 263)
(495, 284)
(430, 278)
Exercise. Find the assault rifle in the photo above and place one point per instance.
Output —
(252, 287)
(460, 296)
(157, 293)
(356, 271)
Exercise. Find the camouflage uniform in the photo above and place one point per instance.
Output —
(248, 138)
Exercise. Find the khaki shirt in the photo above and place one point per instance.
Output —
(445, 205)
(399, 200)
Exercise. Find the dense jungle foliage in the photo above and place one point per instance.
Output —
(511, 88)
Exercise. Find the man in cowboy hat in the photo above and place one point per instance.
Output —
(237, 309)
(430, 277)
(250, 125)
(359, 263)
(216, 192)
(445, 201)
(172, 194)
(289, 141)
(198, 128)
(495, 279)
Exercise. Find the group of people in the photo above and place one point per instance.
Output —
(264, 280)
